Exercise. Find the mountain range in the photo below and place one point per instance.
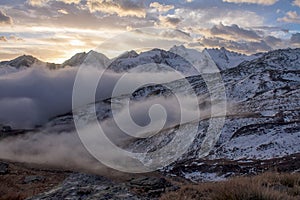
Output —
(262, 121)
(223, 58)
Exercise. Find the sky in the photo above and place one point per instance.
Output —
(54, 30)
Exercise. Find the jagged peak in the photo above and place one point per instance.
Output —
(22, 61)
(96, 53)
(178, 47)
(128, 54)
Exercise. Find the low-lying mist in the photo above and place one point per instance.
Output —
(31, 97)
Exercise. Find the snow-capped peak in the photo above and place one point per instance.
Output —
(92, 58)
(22, 61)
(226, 59)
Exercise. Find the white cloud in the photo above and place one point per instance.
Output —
(290, 17)
(160, 7)
(205, 18)
(296, 3)
(234, 31)
(62, 11)
(119, 7)
(261, 2)
(40, 3)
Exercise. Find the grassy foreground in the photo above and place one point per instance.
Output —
(268, 186)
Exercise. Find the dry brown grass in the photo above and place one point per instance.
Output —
(268, 186)
(13, 188)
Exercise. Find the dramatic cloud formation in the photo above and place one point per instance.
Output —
(119, 7)
(244, 47)
(169, 21)
(206, 18)
(273, 41)
(290, 17)
(5, 19)
(54, 30)
(295, 39)
(262, 2)
(234, 31)
(161, 7)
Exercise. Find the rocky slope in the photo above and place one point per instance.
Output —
(262, 119)
(228, 59)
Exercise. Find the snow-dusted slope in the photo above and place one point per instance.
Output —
(151, 61)
(92, 58)
(228, 59)
(22, 63)
(263, 114)
(263, 109)
(202, 61)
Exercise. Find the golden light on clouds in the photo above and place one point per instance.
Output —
(77, 43)
(117, 7)
(54, 30)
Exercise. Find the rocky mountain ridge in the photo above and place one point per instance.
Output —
(262, 118)
(223, 58)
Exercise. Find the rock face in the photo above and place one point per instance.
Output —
(92, 187)
(31, 179)
(151, 186)
(228, 59)
(3, 168)
(83, 186)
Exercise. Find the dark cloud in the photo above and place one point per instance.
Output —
(245, 47)
(234, 30)
(295, 39)
(178, 34)
(172, 20)
(5, 19)
(271, 28)
(273, 41)
(169, 21)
